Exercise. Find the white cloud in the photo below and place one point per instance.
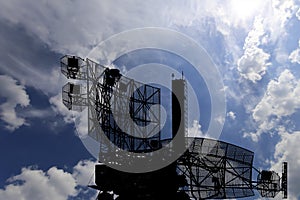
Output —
(287, 150)
(280, 99)
(284, 10)
(14, 95)
(220, 119)
(70, 27)
(75, 26)
(281, 13)
(36, 113)
(60, 108)
(298, 14)
(253, 64)
(81, 122)
(207, 19)
(84, 172)
(295, 55)
(79, 118)
(231, 115)
(34, 184)
(262, 127)
(254, 136)
(48, 81)
(195, 130)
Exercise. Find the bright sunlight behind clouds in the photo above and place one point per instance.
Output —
(245, 8)
(254, 44)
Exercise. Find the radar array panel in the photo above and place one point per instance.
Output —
(216, 169)
(127, 114)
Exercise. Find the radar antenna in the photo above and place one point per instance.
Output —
(209, 169)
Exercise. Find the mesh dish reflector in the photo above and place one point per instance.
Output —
(268, 183)
(73, 67)
(216, 170)
(73, 98)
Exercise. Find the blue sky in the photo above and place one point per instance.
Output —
(255, 46)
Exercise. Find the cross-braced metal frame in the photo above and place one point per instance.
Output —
(123, 109)
(216, 170)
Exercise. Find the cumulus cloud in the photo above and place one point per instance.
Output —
(60, 108)
(35, 184)
(280, 99)
(295, 55)
(15, 107)
(195, 130)
(83, 172)
(212, 18)
(14, 95)
(79, 118)
(231, 115)
(253, 64)
(287, 151)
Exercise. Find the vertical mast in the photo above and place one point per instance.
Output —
(179, 110)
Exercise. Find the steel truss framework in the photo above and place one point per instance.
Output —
(113, 101)
(216, 169)
(74, 96)
(209, 169)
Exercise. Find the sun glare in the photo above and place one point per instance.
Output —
(245, 8)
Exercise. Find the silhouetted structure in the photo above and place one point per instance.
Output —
(179, 114)
(208, 169)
